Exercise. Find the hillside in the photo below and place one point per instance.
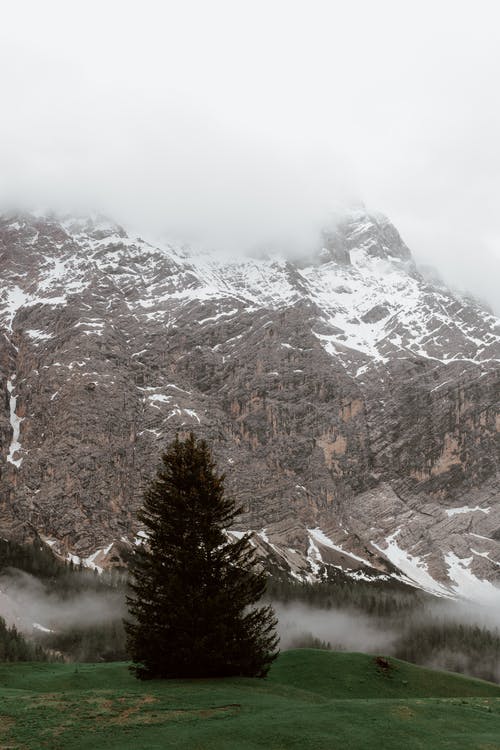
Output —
(352, 402)
(311, 700)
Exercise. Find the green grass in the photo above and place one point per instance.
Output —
(312, 700)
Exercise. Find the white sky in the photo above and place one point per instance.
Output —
(242, 122)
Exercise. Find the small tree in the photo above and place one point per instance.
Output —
(192, 587)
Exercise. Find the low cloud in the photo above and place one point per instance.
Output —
(26, 601)
(241, 130)
(343, 630)
(438, 633)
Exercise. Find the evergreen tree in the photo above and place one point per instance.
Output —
(192, 588)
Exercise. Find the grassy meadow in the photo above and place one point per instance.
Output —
(311, 700)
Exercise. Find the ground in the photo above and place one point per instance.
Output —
(311, 700)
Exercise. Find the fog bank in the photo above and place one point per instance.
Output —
(243, 126)
(25, 601)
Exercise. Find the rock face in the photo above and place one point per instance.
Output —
(353, 404)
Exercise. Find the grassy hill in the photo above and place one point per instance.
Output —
(312, 700)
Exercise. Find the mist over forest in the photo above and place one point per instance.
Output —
(75, 614)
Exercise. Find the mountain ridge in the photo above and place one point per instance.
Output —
(343, 394)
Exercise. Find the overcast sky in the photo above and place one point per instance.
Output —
(243, 122)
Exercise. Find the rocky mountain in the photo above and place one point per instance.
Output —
(352, 403)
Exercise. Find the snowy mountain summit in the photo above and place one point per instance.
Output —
(352, 402)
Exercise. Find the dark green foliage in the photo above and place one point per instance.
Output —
(64, 581)
(308, 640)
(456, 646)
(14, 647)
(192, 588)
(64, 578)
(94, 643)
(378, 599)
(427, 631)
(35, 558)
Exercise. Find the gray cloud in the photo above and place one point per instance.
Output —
(24, 601)
(242, 125)
(474, 652)
(344, 630)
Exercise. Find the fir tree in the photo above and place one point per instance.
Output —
(192, 587)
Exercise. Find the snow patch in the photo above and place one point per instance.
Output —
(15, 423)
(464, 509)
(16, 298)
(37, 335)
(141, 538)
(358, 575)
(191, 413)
(227, 314)
(237, 534)
(321, 537)
(183, 390)
(37, 626)
(413, 568)
(466, 584)
(314, 557)
(160, 398)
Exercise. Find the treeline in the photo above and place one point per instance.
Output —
(454, 646)
(429, 632)
(377, 598)
(15, 647)
(96, 643)
(59, 576)
(35, 558)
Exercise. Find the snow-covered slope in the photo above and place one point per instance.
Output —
(372, 306)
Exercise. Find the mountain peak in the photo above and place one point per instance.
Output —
(372, 234)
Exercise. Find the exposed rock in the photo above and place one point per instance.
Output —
(350, 395)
